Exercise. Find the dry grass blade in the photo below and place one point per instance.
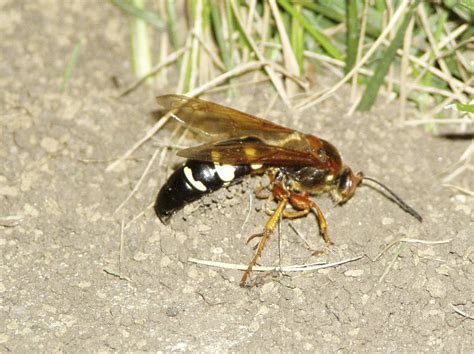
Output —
(461, 312)
(410, 240)
(118, 273)
(380, 72)
(169, 60)
(10, 220)
(290, 61)
(137, 185)
(404, 68)
(390, 265)
(285, 269)
(275, 79)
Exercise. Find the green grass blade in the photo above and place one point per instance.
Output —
(171, 23)
(132, 10)
(297, 39)
(222, 44)
(465, 107)
(336, 11)
(70, 66)
(141, 54)
(352, 34)
(322, 39)
(377, 80)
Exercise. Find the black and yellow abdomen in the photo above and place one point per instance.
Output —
(193, 180)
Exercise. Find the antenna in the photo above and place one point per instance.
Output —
(396, 199)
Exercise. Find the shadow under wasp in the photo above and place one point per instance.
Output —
(298, 165)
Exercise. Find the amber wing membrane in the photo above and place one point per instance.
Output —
(244, 152)
(220, 122)
(230, 129)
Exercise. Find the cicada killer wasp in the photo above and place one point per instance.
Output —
(298, 164)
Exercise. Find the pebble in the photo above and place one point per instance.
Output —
(165, 261)
(84, 284)
(436, 288)
(140, 256)
(443, 270)
(354, 272)
(49, 144)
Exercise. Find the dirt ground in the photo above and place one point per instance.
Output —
(58, 250)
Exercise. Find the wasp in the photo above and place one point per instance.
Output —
(299, 165)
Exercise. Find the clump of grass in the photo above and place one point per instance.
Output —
(417, 50)
(410, 50)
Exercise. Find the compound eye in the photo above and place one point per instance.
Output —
(344, 183)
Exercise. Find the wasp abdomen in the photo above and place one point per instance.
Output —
(192, 181)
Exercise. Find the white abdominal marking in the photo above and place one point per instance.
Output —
(196, 184)
(256, 166)
(226, 172)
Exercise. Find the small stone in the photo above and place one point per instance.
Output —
(263, 310)
(443, 270)
(217, 250)
(436, 288)
(84, 284)
(140, 256)
(354, 273)
(165, 261)
(49, 144)
(387, 221)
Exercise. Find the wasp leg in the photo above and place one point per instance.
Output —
(295, 214)
(305, 205)
(323, 226)
(269, 228)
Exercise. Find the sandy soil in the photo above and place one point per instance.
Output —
(55, 293)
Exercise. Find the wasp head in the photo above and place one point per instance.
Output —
(346, 185)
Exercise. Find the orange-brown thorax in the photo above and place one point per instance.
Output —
(329, 175)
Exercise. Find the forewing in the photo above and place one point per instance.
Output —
(237, 153)
(220, 122)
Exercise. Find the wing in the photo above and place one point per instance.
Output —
(237, 152)
(221, 122)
